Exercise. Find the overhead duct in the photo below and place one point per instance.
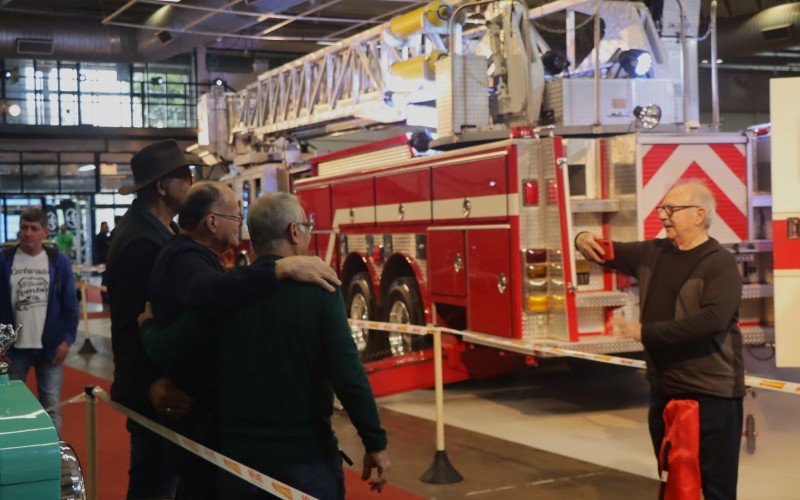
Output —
(163, 38)
(65, 38)
(773, 29)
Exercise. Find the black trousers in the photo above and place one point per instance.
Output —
(720, 440)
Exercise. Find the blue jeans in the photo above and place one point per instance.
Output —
(323, 480)
(48, 378)
(149, 476)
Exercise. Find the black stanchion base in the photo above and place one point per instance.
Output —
(87, 347)
(442, 471)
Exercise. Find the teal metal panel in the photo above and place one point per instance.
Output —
(29, 451)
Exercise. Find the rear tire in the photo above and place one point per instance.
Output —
(403, 305)
(360, 305)
(750, 434)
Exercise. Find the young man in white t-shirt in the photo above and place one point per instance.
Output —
(39, 294)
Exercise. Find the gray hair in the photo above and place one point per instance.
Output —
(269, 217)
(701, 196)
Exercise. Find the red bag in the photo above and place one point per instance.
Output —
(679, 457)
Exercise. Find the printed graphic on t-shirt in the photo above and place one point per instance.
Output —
(30, 286)
(31, 290)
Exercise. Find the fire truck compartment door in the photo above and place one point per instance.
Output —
(404, 198)
(317, 202)
(489, 281)
(471, 189)
(447, 263)
(785, 130)
(353, 202)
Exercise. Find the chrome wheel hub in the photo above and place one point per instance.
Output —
(399, 343)
(359, 310)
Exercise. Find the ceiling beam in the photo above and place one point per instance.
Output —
(117, 12)
(218, 34)
(262, 16)
(303, 15)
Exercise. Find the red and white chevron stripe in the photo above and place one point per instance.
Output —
(722, 167)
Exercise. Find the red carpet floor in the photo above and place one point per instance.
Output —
(113, 448)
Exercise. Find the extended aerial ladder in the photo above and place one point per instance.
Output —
(353, 78)
(389, 74)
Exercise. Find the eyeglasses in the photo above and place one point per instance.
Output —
(184, 173)
(237, 218)
(309, 225)
(671, 209)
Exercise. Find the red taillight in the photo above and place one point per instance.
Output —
(531, 189)
(535, 255)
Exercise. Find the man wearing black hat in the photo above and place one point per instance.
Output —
(162, 177)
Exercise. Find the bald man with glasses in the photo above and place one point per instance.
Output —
(689, 294)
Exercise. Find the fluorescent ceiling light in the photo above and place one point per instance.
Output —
(86, 168)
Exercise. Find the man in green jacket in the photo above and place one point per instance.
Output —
(689, 294)
(64, 240)
(280, 364)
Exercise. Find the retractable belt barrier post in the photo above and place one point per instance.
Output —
(91, 442)
(252, 476)
(87, 347)
(441, 471)
(83, 286)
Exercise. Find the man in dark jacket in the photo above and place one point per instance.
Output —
(101, 241)
(162, 177)
(38, 292)
(690, 289)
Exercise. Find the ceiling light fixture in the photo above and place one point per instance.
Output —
(12, 109)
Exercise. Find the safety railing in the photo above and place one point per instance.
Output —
(440, 472)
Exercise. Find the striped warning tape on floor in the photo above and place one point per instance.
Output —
(252, 476)
(534, 349)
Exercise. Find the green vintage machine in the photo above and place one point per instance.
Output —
(34, 465)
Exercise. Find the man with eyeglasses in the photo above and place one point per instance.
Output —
(280, 361)
(689, 290)
(188, 276)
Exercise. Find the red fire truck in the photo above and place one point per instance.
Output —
(475, 232)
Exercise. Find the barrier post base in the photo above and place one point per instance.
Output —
(441, 471)
(87, 347)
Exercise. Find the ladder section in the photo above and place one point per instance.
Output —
(354, 78)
